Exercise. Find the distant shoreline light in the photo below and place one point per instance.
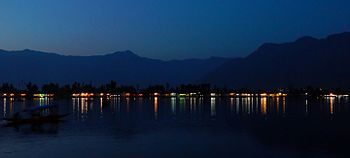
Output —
(158, 94)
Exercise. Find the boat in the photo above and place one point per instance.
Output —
(35, 115)
(35, 120)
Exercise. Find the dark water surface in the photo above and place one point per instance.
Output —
(178, 127)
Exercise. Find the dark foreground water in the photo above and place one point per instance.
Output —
(179, 127)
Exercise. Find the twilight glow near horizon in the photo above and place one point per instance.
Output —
(165, 29)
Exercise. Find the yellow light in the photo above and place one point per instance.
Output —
(263, 94)
(156, 94)
(43, 95)
(75, 95)
(331, 95)
(182, 95)
(127, 94)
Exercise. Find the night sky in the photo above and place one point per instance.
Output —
(165, 29)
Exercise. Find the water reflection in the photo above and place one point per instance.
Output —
(331, 105)
(306, 106)
(284, 106)
(115, 105)
(265, 120)
(80, 108)
(4, 108)
(191, 107)
(173, 105)
(127, 104)
(156, 108)
(182, 104)
(212, 106)
(263, 102)
(237, 106)
(101, 107)
(193, 104)
(232, 104)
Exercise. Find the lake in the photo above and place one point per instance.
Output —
(183, 127)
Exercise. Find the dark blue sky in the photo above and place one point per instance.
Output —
(165, 29)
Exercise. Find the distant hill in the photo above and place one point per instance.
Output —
(305, 62)
(125, 67)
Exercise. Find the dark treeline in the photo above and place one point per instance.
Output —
(114, 88)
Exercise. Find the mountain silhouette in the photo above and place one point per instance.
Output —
(305, 62)
(125, 67)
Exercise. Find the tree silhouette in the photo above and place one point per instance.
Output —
(31, 88)
(50, 88)
(112, 88)
(6, 88)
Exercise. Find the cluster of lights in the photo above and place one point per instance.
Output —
(43, 95)
(39, 95)
(11, 95)
(157, 94)
(183, 95)
(126, 94)
(83, 95)
(278, 95)
(257, 95)
(331, 95)
(108, 95)
(8, 95)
